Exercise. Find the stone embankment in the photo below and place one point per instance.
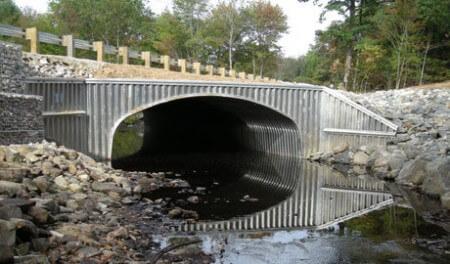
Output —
(419, 155)
(60, 206)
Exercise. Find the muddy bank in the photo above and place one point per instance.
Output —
(418, 156)
(57, 205)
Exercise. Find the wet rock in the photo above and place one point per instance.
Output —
(147, 185)
(193, 199)
(178, 212)
(11, 188)
(106, 187)
(248, 198)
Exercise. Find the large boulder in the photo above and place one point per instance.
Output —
(413, 172)
(437, 181)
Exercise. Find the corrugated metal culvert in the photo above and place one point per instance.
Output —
(84, 114)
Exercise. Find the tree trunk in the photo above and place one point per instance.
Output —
(348, 67)
(230, 50)
(424, 61)
(349, 55)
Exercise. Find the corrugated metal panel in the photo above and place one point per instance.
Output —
(7, 30)
(49, 38)
(320, 199)
(322, 117)
(82, 44)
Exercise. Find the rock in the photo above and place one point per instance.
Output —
(413, 172)
(11, 188)
(12, 172)
(182, 213)
(2, 154)
(119, 233)
(26, 227)
(147, 185)
(74, 187)
(7, 212)
(41, 183)
(79, 196)
(361, 158)
(40, 244)
(437, 181)
(40, 215)
(445, 200)
(31, 259)
(342, 157)
(6, 254)
(7, 233)
(84, 177)
(61, 182)
(106, 187)
(72, 168)
(341, 147)
(23, 204)
(193, 199)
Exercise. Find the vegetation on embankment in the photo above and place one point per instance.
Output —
(374, 45)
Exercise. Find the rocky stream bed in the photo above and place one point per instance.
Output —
(60, 206)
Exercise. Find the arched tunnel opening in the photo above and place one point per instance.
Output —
(235, 148)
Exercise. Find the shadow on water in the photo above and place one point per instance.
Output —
(257, 208)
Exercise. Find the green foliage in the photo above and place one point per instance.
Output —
(9, 12)
(391, 44)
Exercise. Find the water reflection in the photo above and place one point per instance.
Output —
(321, 198)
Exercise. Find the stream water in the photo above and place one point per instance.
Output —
(257, 208)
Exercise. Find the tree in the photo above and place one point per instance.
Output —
(171, 35)
(113, 21)
(9, 12)
(267, 23)
(229, 23)
(190, 12)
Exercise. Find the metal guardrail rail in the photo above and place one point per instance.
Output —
(71, 44)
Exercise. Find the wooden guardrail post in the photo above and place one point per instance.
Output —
(210, 69)
(222, 72)
(165, 60)
(232, 73)
(146, 56)
(197, 67)
(182, 65)
(100, 48)
(32, 34)
(242, 75)
(123, 51)
(68, 42)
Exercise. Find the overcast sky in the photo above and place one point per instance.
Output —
(303, 21)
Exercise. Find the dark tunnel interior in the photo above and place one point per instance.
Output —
(246, 147)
